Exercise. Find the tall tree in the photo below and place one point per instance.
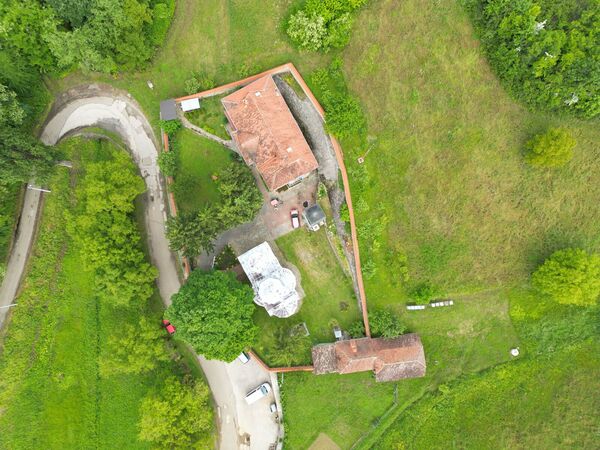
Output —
(107, 234)
(178, 417)
(193, 233)
(213, 312)
(134, 349)
(22, 157)
(554, 148)
(570, 276)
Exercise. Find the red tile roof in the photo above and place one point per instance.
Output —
(390, 359)
(267, 134)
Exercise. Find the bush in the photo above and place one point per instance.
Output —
(226, 259)
(200, 81)
(170, 126)
(424, 293)
(179, 416)
(385, 324)
(344, 115)
(551, 149)
(357, 329)
(322, 24)
(570, 276)
(162, 15)
(167, 161)
(307, 32)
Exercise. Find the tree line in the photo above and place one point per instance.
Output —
(546, 52)
(98, 35)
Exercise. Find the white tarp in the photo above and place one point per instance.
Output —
(274, 286)
(190, 105)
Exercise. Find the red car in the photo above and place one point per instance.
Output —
(295, 218)
(170, 328)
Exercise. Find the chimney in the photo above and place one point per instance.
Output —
(353, 346)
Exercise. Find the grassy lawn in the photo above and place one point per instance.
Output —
(329, 296)
(448, 170)
(199, 159)
(343, 407)
(505, 407)
(210, 116)
(51, 394)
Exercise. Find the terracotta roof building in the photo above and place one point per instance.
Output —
(390, 359)
(267, 134)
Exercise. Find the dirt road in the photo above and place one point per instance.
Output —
(102, 106)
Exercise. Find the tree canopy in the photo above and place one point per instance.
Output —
(100, 35)
(22, 157)
(107, 234)
(547, 52)
(551, 149)
(323, 24)
(193, 233)
(570, 276)
(177, 417)
(134, 349)
(213, 313)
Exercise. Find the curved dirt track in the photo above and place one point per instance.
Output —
(104, 107)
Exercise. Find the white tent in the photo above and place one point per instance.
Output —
(274, 286)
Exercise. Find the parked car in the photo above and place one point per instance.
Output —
(170, 328)
(258, 393)
(244, 357)
(295, 218)
(273, 407)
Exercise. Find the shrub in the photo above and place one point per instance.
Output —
(385, 324)
(322, 24)
(424, 292)
(170, 126)
(344, 115)
(179, 416)
(570, 276)
(167, 161)
(357, 329)
(226, 259)
(307, 32)
(551, 149)
(200, 81)
(162, 15)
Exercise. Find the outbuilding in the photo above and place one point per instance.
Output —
(314, 217)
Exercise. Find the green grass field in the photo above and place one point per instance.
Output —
(198, 159)
(210, 116)
(448, 170)
(51, 394)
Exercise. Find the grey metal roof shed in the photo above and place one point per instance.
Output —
(314, 217)
(168, 110)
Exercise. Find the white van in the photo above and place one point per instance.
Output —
(258, 393)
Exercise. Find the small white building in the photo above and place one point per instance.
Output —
(274, 286)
